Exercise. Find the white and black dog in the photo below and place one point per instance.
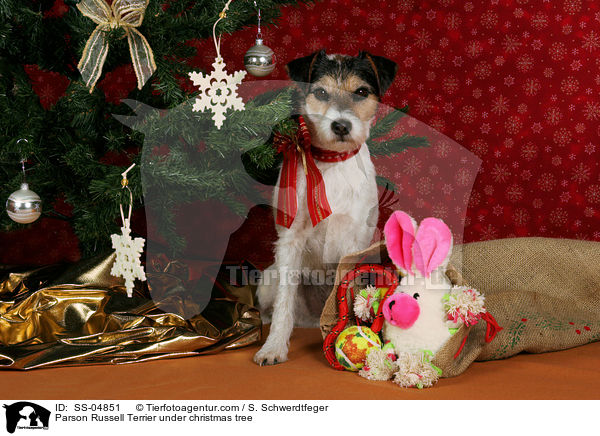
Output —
(337, 97)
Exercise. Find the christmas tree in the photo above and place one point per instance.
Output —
(75, 143)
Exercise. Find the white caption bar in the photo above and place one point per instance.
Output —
(154, 417)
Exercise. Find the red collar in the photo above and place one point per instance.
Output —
(332, 156)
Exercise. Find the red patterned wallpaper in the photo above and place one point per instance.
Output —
(516, 82)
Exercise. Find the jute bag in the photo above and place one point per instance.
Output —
(544, 293)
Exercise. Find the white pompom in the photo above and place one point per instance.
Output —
(363, 303)
(415, 370)
(378, 365)
(465, 305)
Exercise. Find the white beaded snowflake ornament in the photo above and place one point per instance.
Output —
(128, 250)
(218, 90)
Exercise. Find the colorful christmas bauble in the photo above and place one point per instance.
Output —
(353, 345)
(260, 59)
(24, 206)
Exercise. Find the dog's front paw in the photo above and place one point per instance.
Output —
(270, 355)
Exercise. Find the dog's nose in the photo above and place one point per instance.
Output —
(341, 127)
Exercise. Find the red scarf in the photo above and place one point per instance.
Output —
(295, 149)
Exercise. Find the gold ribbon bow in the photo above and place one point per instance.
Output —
(127, 14)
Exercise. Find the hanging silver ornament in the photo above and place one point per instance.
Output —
(259, 60)
(24, 206)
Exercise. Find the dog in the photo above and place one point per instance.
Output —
(337, 96)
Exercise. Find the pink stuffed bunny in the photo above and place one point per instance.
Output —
(425, 310)
(415, 316)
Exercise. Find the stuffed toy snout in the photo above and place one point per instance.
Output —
(404, 308)
(401, 310)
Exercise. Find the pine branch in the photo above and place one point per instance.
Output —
(396, 145)
(387, 123)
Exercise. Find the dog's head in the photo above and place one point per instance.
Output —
(339, 95)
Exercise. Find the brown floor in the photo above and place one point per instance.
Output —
(569, 374)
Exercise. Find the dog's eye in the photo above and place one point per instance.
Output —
(361, 93)
(416, 295)
(321, 94)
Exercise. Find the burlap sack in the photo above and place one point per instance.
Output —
(543, 292)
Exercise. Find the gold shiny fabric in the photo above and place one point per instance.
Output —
(59, 316)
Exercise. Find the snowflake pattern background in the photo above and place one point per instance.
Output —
(127, 264)
(218, 91)
(515, 82)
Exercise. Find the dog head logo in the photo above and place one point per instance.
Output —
(26, 415)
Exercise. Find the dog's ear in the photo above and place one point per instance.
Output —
(300, 70)
(385, 70)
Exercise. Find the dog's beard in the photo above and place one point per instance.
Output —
(323, 136)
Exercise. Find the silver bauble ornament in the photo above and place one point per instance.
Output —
(259, 60)
(24, 206)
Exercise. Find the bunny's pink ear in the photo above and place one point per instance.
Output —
(399, 232)
(433, 245)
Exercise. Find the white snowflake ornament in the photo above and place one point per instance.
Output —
(127, 264)
(218, 91)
